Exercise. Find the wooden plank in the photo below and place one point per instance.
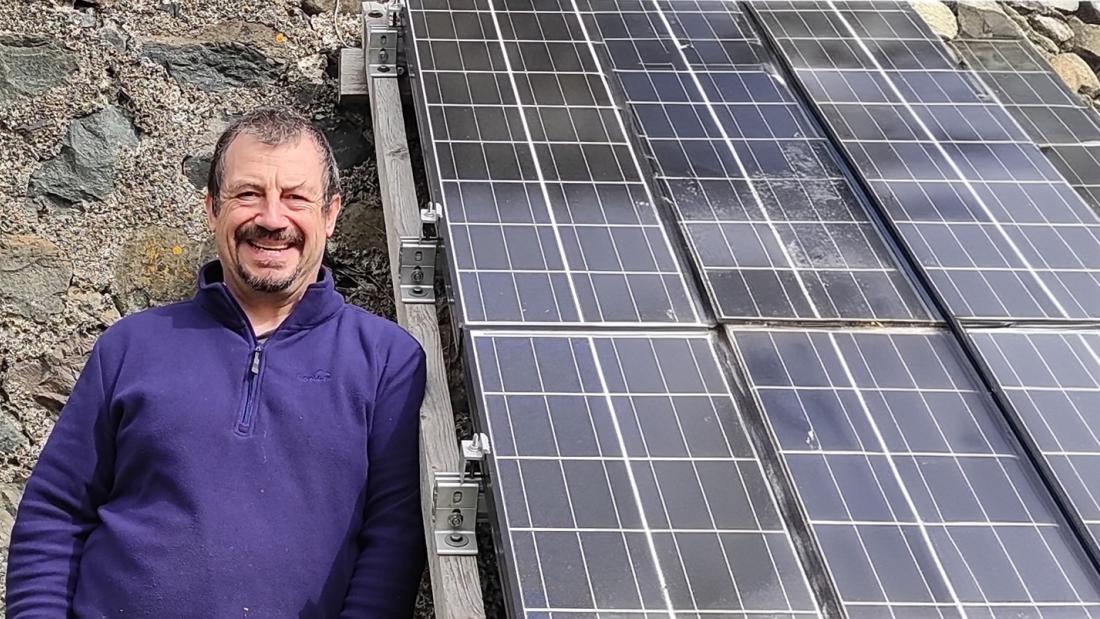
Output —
(353, 77)
(456, 587)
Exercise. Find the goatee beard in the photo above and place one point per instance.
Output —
(267, 284)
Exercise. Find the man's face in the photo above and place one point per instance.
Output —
(271, 225)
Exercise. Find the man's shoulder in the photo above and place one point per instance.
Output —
(153, 321)
(380, 330)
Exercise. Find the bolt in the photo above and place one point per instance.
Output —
(418, 276)
(383, 68)
(455, 520)
(457, 540)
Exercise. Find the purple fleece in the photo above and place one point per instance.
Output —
(194, 475)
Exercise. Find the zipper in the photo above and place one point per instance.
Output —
(252, 384)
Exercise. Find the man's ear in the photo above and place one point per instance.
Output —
(331, 214)
(211, 218)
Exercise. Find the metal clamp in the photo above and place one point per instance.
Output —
(455, 503)
(382, 43)
(416, 269)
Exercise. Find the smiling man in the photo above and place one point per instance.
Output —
(249, 453)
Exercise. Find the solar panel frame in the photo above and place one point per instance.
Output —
(1005, 195)
(707, 117)
(893, 442)
(582, 429)
(598, 254)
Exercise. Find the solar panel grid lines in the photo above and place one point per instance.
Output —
(546, 212)
(1051, 376)
(771, 222)
(918, 495)
(1018, 256)
(626, 480)
(1030, 90)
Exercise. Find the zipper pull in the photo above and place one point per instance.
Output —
(256, 359)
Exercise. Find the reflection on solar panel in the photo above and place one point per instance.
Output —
(1030, 90)
(1053, 117)
(627, 481)
(918, 495)
(1053, 380)
(773, 224)
(548, 219)
(990, 220)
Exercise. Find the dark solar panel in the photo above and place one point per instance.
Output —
(1079, 164)
(625, 482)
(1052, 379)
(771, 221)
(548, 220)
(987, 216)
(918, 496)
(1030, 90)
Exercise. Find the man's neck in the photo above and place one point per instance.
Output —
(265, 311)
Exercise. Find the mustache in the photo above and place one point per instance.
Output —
(254, 232)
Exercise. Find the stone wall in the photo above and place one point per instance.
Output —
(1066, 32)
(108, 114)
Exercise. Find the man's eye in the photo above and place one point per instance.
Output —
(248, 194)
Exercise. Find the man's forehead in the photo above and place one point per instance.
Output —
(247, 150)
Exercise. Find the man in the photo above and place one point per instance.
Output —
(249, 453)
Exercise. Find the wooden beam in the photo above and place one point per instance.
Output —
(353, 79)
(456, 587)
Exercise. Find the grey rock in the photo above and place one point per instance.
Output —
(33, 275)
(12, 438)
(216, 65)
(938, 17)
(1051, 27)
(49, 378)
(1042, 42)
(984, 19)
(1089, 12)
(31, 65)
(1086, 41)
(197, 169)
(320, 7)
(84, 171)
(1066, 6)
(1075, 72)
(114, 37)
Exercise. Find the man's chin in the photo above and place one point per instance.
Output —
(268, 280)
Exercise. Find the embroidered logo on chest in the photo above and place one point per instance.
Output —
(320, 376)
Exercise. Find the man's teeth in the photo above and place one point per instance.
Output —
(269, 247)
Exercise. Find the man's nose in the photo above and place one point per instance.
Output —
(272, 213)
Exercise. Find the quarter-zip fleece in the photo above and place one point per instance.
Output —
(195, 472)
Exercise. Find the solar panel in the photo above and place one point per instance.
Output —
(1030, 90)
(997, 230)
(1052, 379)
(1079, 164)
(917, 494)
(548, 220)
(624, 482)
(773, 224)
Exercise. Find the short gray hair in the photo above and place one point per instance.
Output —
(274, 126)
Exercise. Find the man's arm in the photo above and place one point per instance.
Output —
(391, 541)
(58, 509)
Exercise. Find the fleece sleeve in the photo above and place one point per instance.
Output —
(58, 510)
(391, 541)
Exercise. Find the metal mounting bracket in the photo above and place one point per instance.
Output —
(417, 269)
(455, 503)
(382, 43)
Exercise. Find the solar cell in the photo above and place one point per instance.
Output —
(999, 233)
(548, 220)
(1079, 164)
(1030, 90)
(918, 496)
(772, 222)
(625, 482)
(1052, 379)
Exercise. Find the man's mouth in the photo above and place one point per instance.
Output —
(269, 246)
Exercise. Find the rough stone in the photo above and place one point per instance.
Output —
(1089, 12)
(197, 169)
(157, 265)
(350, 142)
(31, 65)
(984, 19)
(1042, 42)
(49, 378)
(938, 17)
(1075, 72)
(84, 171)
(321, 7)
(1066, 6)
(10, 495)
(1051, 27)
(12, 439)
(1086, 41)
(216, 65)
(361, 227)
(34, 273)
(114, 37)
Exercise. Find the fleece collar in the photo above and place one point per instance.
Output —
(320, 302)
